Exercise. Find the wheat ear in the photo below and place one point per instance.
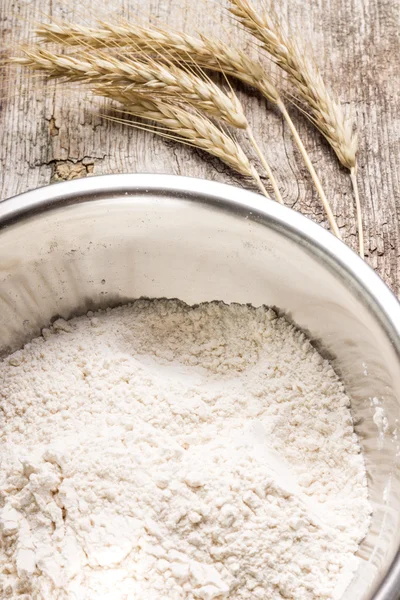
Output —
(182, 125)
(180, 47)
(149, 78)
(199, 51)
(326, 113)
(146, 77)
(196, 129)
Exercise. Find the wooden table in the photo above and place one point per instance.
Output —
(51, 133)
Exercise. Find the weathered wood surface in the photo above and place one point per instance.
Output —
(49, 134)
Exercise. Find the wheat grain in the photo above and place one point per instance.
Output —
(104, 80)
(149, 78)
(326, 113)
(204, 52)
(181, 47)
(200, 51)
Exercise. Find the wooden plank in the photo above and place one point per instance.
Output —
(49, 133)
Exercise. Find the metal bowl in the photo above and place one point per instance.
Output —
(79, 245)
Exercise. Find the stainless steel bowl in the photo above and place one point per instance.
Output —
(75, 246)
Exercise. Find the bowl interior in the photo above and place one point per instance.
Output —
(81, 245)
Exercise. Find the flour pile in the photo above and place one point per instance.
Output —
(161, 452)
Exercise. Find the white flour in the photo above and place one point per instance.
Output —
(160, 452)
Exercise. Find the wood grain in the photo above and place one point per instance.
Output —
(49, 133)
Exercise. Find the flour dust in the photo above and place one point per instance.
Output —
(158, 451)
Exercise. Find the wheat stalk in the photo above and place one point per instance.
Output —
(154, 80)
(326, 113)
(199, 51)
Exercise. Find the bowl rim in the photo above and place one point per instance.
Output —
(330, 251)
